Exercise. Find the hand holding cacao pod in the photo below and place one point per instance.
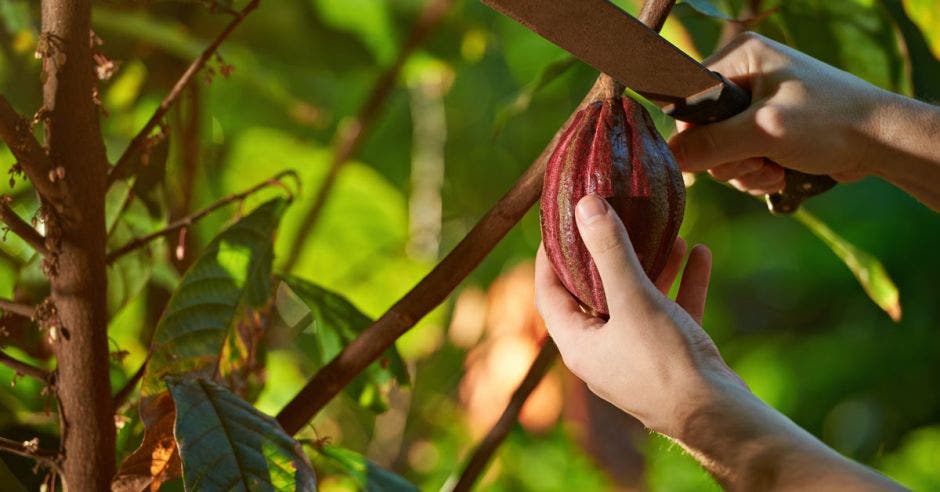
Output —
(611, 149)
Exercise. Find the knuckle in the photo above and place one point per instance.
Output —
(772, 120)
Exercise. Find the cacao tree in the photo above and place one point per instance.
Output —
(221, 264)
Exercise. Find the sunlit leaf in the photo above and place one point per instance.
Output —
(232, 273)
(157, 459)
(334, 323)
(926, 15)
(226, 444)
(708, 8)
(924, 65)
(521, 101)
(866, 268)
(369, 476)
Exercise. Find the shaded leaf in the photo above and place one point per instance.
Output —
(369, 476)
(866, 268)
(241, 364)
(232, 273)
(924, 66)
(226, 444)
(9, 480)
(523, 99)
(334, 323)
(707, 8)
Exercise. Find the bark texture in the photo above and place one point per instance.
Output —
(76, 236)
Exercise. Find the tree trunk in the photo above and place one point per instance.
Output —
(76, 229)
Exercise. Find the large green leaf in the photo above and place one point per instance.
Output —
(866, 268)
(368, 476)
(226, 444)
(334, 322)
(230, 278)
(233, 273)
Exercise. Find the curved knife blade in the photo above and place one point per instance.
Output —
(612, 41)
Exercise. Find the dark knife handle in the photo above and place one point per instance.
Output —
(798, 186)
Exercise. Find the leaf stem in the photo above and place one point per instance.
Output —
(497, 434)
(191, 219)
(126, 166)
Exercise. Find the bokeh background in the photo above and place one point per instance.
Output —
(473, 106)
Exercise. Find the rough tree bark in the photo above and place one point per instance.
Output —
(75, 233)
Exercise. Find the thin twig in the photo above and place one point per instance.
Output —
(191, 219)
(25, 369)
(497, 434)
(21, 228)
(121, 396)
(126, 165)
(43, 456)
(434, 288)
(15, 131)
(350, 137)
(17, 308)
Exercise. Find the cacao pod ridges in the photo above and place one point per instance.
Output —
(612, 149)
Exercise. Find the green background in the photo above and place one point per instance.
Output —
(784, 310)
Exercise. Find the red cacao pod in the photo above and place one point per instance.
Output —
(611, 149)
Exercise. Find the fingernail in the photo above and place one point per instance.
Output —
(591, 208)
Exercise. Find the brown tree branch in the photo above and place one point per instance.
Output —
(497, 434)
(17, 308)
(21, 228)
(436, 285)
(121, 396)
(126, 165)
(15, 131)
(350, 137)
(43, 456)
(25, 369)
(195, 217)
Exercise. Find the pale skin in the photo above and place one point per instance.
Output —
(652, 359)
(814, 118)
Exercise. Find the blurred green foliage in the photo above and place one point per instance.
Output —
(784, 310)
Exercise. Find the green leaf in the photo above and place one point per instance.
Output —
(707, 8)
(866, 268)
(9, 480)
(924, 66)
(523, 99)
(226, 444)
(369, 476)
(233, 273)
(14, 14)
(335, 323)
(368, 19)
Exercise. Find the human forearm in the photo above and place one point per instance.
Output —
(906, 144)
(747, 445)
